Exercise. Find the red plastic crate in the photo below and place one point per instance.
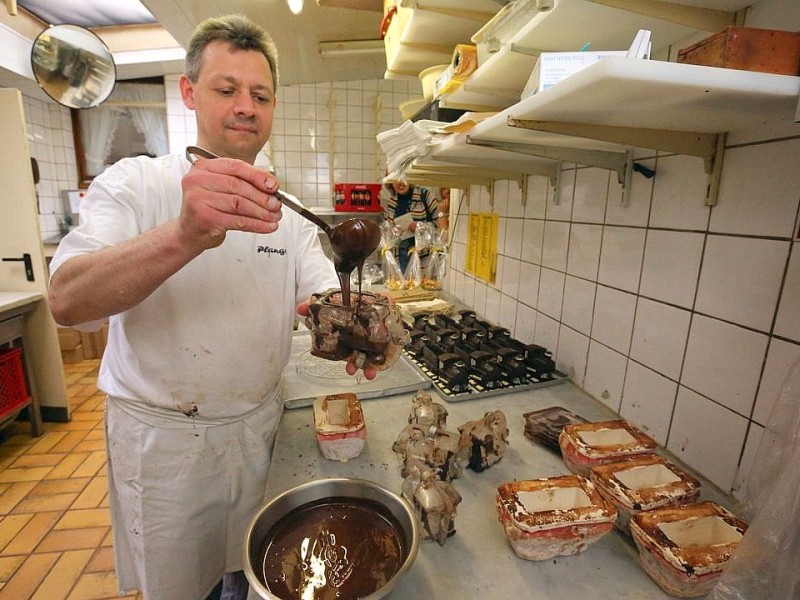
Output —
(357, 197)
(13, 389)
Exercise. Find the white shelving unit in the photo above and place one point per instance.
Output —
(423, 33)
(569, 24)
(597, 115)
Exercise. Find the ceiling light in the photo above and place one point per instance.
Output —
(296, 6)
(350, 47)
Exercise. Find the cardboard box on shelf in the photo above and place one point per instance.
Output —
(553, 67)
(68, 338)
(747, 49)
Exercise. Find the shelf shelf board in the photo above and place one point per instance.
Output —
(564, 28)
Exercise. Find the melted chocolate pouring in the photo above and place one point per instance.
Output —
(332, 549)
(352, 241)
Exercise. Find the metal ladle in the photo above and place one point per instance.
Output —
(352, 241)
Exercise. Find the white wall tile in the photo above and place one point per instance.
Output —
(781, 356)
(621, 257)
(508, 275)
(605, 375)
(478, 303)
(578, 305)
(513, 241)
(551, 293)
(679, 193)
(591, 191)
(715, 456)
(529, 284)
(740, 279)
(508, 312)
(492, 310)
(659, 336)
(525, 327)
(748, 462)
(583, 259)
(648, 400)
(637, 212)
(573, 351)
(760, 185)
(787, 323)
(532, 240)
(671, 266)
(555, 245)
(514, 199)
(723, 362)
(536, 197)
(612, 323)
(559, 205)
(546, 333)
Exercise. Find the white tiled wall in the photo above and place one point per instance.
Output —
(50, 142)
(302, 143)
(322, 133)
(683, 318)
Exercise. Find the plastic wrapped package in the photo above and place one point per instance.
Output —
(392, 275)
(413, 273)
(765, 563)
(435, 267)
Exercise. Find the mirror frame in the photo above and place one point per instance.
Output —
(79, 72)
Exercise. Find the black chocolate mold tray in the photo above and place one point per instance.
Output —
(476, 390)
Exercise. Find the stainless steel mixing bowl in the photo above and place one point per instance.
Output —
(357, 489)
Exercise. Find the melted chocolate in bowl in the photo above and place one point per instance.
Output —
(333, 549)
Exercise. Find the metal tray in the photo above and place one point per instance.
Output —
(307, 377)
(475, 389)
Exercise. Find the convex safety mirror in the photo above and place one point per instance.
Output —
(73, 66)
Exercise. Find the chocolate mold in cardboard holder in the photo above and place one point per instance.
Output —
(370, 329)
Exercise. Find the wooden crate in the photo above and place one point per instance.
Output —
(747, 49)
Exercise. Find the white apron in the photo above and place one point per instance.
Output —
(176, 481)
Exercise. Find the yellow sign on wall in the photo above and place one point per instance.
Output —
(482, 246)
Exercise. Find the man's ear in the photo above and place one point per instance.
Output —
(187, 92)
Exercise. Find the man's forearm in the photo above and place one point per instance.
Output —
(104, 283)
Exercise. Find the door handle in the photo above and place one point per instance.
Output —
(25, 258)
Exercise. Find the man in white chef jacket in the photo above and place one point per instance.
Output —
(200, 273)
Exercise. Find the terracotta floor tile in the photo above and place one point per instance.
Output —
(95, 586)
(72, 539)
(60, 486)
(10, 526)
(51, 502)
(45, 443)
(13, 495)
(96, 434)
(10, 564)
(93, 465)
(67, 467)
(91, 517)
(25, 474)
(102, 560)
(63, 575)
(93, 494)
(37, 460)
(91, 446)
(69, 443)
(30, 574)
(34, 532)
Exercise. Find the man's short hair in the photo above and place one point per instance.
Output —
(238, 31)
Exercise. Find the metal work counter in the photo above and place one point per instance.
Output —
(478, 561)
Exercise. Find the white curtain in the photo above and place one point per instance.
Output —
(150, 121)
(97, 131)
